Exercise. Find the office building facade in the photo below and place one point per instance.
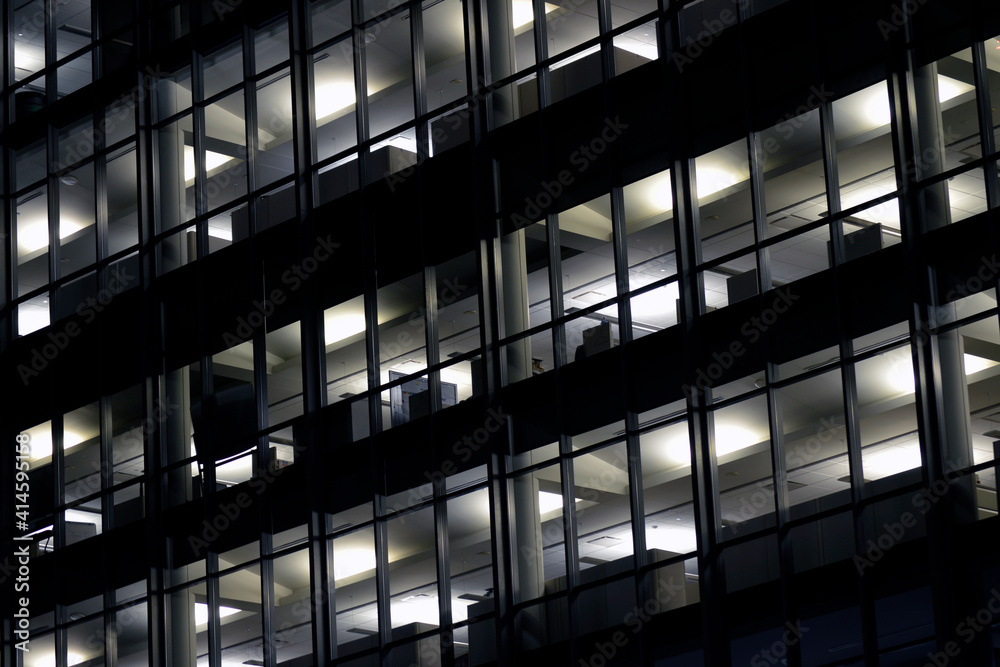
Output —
(478, 332)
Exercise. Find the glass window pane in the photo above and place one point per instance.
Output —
(225, 154)
(525, 259)
(77, 217)
(223, 69)
(76, 142)
(731, 282)
(538, 533)
(815, 440)
(284, 373)
(291, 610)
(667, 489)
(743, 456)
(329, 19)
(412, 573)
(354, 576)
(128, 434)
(173, 93)
(271, 46)
(401, 328)
(390, 75)
(649, 227)
(32, 241)
(240, 616)
(175, 173)
(75, 74)
(82, 453)
(335, 99)
(29, 42)
(74, 30)
(444, 51)
(457, 306)
(123, 206)
(888, 413)
(724, 205)
(346, 361)
(800, 256)
(470, 550)
(603, 514)
(588, 265)
(865, 162)
(275, 157)
(186, 620)
(794, 177)
(29, 164)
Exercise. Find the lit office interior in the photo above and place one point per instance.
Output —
(137, 190)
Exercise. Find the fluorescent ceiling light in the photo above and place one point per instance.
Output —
(212, 160)
(715, 179)
(675, 539)
(333, 97)
(878, 112)
(419, 608)
(338, 326)
(32, 317)
(730, 438)
(974, 364)
(949, 88)
(549, 502)
(348, 562)
(524, 13)
(201, 613)
(654, 305)
(34, 234)
(638, 47)
(891, 460)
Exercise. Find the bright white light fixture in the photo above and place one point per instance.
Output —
(332, 98)
(34, 234)
(548, 502)
(524, 13)
(349, 562)
(40, 441)
(212, 160)
(338, 326)
(201, 613)
(714, 179)
(949, 88)
(974, 364)
(675, 539)
(891, 460)
(730, 438)
(638, 47)
(414, 609)
(31, 317)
